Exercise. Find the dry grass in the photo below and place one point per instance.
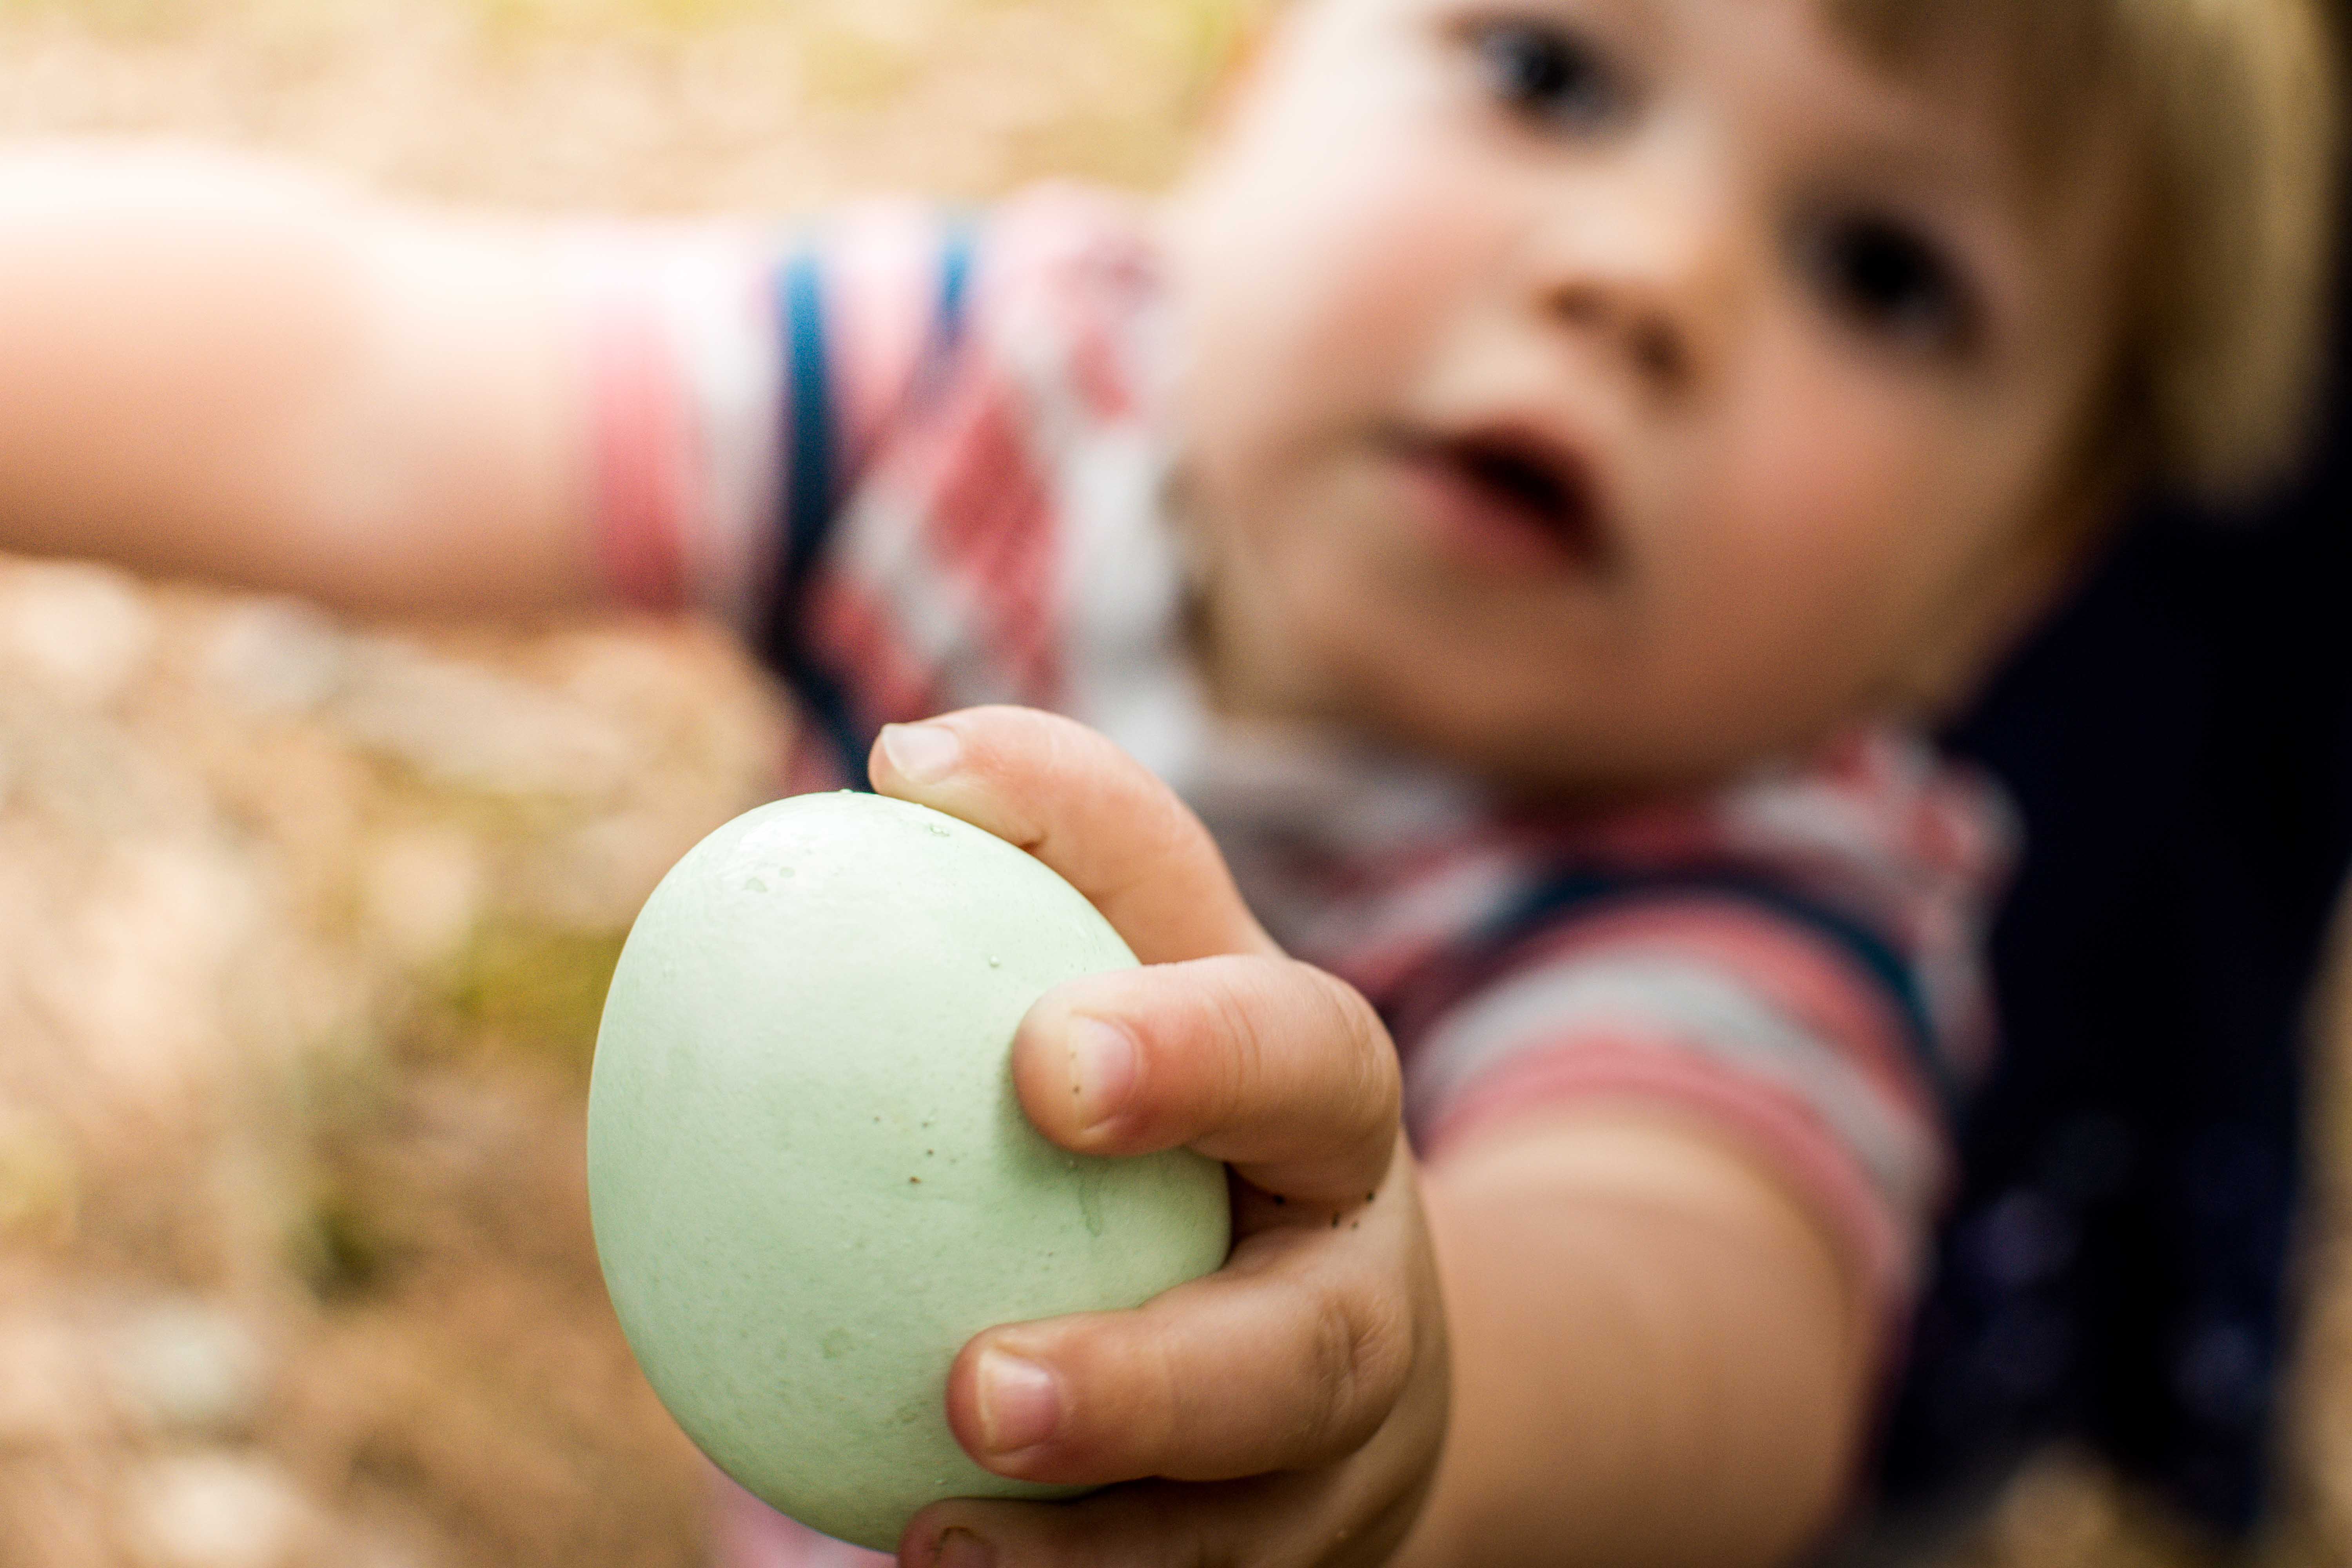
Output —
(303, 925)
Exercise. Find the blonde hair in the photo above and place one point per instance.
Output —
(2230, 108)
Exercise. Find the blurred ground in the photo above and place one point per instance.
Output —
(304, 925)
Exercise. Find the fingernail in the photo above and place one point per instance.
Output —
(923, 753)
(1019, 1404)
(1102, 1071)
(962, 1549)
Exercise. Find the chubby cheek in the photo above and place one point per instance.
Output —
(1315, 286)
(1843, 529)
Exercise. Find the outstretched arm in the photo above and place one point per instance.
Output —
(218, 368)
(1657, 1357)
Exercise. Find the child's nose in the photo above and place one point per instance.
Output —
(1652, 279)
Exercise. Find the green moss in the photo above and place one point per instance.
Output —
(341, 1251)
(534, 988)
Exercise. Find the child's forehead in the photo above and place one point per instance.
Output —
(2039, 74)
(2043, 73)
(2005, 98)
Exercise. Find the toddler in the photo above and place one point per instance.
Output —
(1453, 582)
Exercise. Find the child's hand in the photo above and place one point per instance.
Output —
(1288, 1408)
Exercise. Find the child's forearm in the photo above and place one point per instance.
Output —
(1657, 1357)
(216, 367)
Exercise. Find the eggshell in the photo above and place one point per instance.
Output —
(810, 1178)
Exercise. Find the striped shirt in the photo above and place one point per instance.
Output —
(920, 461)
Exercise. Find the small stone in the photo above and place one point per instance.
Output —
(277, 657)
(421, 889)
(218, 1510)
(82, 634)
(189, 1367)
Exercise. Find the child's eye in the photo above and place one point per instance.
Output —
(1544, 72)
(1890, 281)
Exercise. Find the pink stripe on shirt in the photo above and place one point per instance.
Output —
(1781, 1129)
(644, 467)
(1815, 985)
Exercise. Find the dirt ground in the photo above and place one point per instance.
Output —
(304, 923)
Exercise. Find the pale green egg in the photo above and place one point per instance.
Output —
(810, 1178)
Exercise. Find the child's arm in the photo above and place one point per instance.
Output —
(1662, 1359)
(218, 368)
(1657, 1357)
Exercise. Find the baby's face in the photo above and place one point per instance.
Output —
(1605, 392)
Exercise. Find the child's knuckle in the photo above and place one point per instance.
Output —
(1376, 1088)
(1352, 1365)
(1233, 1030)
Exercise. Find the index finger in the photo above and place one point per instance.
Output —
(1279, 1070)
(1069, 796)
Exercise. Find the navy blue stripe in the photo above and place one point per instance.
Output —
(808, 510)
(1576, 890)
(955, 282)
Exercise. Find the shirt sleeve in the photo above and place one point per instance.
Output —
(852, 440)
(1797, 961)
(737, 376)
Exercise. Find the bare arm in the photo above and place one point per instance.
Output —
(1657, 1357)
(216, 367)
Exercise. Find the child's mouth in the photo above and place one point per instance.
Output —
(1509, 498)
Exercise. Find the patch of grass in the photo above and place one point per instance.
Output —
(535, 989)
(123, 19)
(342, 1251)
